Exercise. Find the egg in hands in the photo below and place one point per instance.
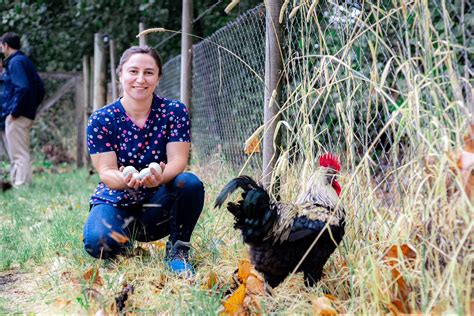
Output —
(148, 177)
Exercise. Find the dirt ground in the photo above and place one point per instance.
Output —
(18, 292)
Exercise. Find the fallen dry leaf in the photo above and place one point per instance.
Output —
(121, 239)
(158, 244)
(244, 300)
(255, 285)
(330, 297)
(391, 258)
(234, 303)
(252, 145)
(323, 306)
(244, 270)
(61, 302)
(92, 276)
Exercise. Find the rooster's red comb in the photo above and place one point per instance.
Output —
(330, 160)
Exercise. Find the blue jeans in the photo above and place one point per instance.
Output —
(173, 210)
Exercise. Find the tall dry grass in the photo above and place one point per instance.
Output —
(384, 92)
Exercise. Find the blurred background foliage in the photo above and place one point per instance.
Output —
(56, 34)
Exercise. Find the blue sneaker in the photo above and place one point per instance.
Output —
(177, 258)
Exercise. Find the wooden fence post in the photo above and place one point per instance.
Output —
(273, 70)
(81, 105)
(113, 77)
(87, 63)
(100, 83)
(141, 39)
(186, 53)
(90, 104)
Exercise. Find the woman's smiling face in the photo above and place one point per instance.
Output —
(139, 77)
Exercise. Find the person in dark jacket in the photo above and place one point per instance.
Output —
(23, 91)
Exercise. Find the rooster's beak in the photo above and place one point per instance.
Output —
(331, 175)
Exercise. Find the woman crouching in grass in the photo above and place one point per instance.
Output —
(136, 130)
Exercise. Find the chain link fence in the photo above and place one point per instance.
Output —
(170, 81)
(332, 100)
(54, 132)
(345, 87)
(228, 90)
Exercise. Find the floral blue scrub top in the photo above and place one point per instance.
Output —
(111, 129)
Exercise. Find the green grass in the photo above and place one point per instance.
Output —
(44, 219)
(41, 244)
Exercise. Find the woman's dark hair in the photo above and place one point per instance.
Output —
(12, 39)
(139, 50)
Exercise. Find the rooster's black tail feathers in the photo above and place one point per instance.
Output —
(253, 213)
(244, 182)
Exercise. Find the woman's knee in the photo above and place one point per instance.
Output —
(189, 182)
(103, 238)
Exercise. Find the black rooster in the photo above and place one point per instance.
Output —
(280, 234)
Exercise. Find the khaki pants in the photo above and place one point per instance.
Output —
(18, 146)
(3, 146)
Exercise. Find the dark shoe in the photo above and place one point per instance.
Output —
(6, 186)
(177, 258)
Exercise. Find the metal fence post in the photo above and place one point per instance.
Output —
(273, 70)
(186, 53)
